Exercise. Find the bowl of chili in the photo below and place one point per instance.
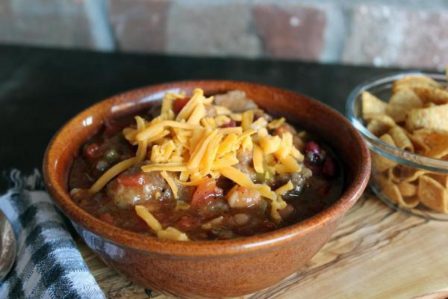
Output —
(206, 230)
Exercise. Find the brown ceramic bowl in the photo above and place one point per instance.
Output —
(210, 268)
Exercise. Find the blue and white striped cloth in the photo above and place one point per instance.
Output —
(48, 264)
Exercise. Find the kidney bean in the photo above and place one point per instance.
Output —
(313, 153)
(312, 147)
(91, 151)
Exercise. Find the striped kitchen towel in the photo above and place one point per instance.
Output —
(48, 264)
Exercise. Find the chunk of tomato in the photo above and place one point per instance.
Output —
(205, 192)
(132, 180)
(179, 104)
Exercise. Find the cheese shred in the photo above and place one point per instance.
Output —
(193, 146)
(170, 183)
(170, 233)
(258, 159)
(111, 173)
(285, 188)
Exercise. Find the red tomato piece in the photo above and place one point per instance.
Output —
(205, 192)
(179, 104)
(132, 180)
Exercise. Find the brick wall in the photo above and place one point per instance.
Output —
(409, 33)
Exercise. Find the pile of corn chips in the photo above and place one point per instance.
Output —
(415, 119)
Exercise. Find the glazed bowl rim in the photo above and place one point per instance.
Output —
(250, 244)
(376, 144)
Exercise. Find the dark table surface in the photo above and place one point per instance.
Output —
(40, 89)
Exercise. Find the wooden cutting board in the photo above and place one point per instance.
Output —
(376, 252)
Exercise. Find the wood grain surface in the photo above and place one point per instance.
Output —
(376, 252)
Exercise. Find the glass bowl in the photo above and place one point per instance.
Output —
(407, 166)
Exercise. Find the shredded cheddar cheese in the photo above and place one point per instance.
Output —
(237, 176)
(258, 159)
(193, 146)
(157, 128)
(276, 123)
(111, 173)
(285, 188)
(169, 233)
(246, 119)
(125, 164)
(167, 167)
(170, 183)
